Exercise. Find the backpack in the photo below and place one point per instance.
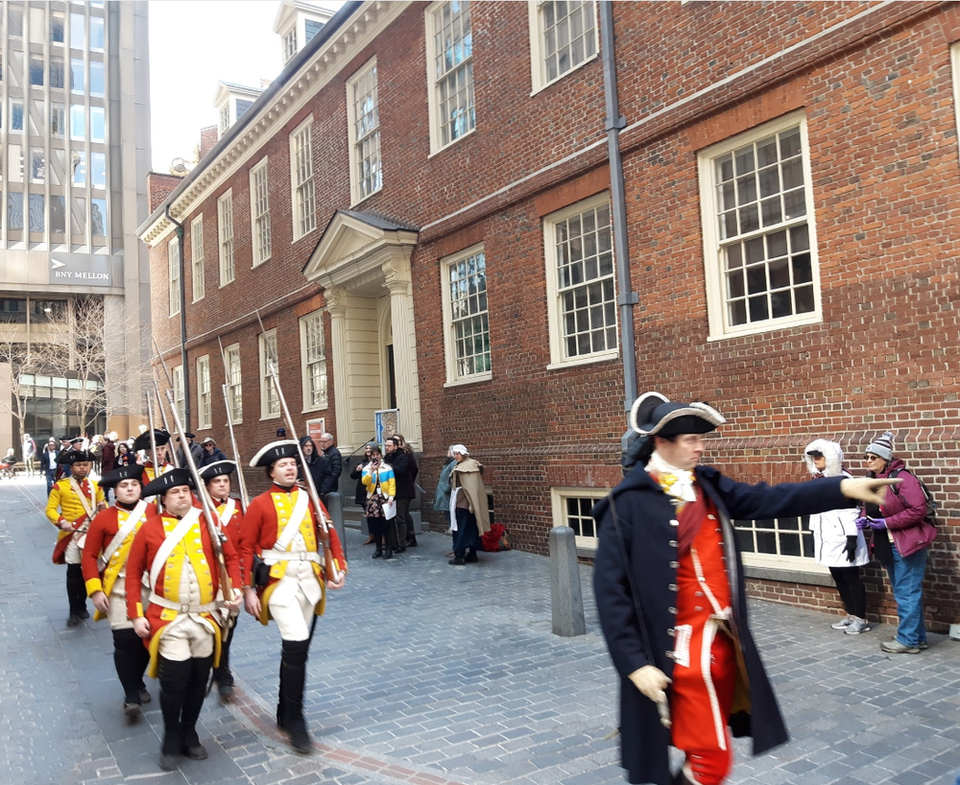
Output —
(932, 506)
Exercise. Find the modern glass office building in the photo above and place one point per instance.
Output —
(74, 154)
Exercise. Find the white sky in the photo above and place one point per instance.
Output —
(193, 45)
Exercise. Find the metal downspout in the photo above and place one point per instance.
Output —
(626, 297)
(185, 373)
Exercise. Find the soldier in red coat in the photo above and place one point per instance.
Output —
(104, 565)
(216, 476)
(180, 626)
(281, 527)
(671, 597)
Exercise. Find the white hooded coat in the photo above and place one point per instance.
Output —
(831, 529)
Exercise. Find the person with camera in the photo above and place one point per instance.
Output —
(381, 486)
(901, 538)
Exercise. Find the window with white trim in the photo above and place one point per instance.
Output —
(234, 381)
(563, 36)
(269, 400)
(465, 312)
(450, 72)
(363, 104)
(204, 394)
(173, 274)
(228, 269)
(758, 230)
(313, 360)
(290, 45)
(572, 506)
(302, 180)
(196, 253)
(178, 396)
(777, 542)
(260, 213)
(581, 295)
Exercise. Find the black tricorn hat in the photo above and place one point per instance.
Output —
(217, 469)
(652, 414)
(111, 479)
(142, 442)
(285, 448)
(168, 480)
(75, 456)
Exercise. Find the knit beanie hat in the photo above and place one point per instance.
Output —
(882, 446)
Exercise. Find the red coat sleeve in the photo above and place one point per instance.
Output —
(138, 563)
(249, 539)
(98, 536)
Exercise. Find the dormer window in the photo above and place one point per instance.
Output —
(232, 101)
(289, 45)
(297, 23)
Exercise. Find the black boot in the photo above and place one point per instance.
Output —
(128, 651)
(76, 595)
(192, 703)
(222, 674)
(293, 672)
(174, 681)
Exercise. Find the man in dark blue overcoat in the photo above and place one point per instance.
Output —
(670, 592)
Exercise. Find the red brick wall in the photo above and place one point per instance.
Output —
(875, 86)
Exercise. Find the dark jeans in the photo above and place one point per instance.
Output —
(404, 521)
(853, 594)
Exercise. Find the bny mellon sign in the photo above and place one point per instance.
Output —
(81, 270)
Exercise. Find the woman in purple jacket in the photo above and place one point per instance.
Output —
(900, 541)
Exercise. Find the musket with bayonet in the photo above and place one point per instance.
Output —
(241, 483)
(163, 416)
(216, 536)
(329, 564)
(153, 439)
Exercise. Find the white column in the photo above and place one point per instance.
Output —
(396, 271)
(336, 307)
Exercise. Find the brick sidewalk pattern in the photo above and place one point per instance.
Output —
(426, 674)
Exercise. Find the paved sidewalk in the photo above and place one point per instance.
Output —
(428, 674)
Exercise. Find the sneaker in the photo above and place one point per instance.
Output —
(843, 623)
(857, 626)
(923, 646)
(895, 647)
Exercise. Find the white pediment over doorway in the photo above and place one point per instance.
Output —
(353, 248)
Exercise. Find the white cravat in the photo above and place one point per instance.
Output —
(675, 482)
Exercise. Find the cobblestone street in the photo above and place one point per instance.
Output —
(427, 674)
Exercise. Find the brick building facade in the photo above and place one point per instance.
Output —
(419, 210)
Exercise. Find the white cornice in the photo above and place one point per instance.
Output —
(356, 33)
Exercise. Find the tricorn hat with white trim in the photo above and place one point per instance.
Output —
(217, 469)
(285, 448)
(142, 442)
(166, 481)
(112, 478)
(76, 456)
(653, 414)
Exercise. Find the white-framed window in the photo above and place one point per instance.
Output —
(581, 295)
(363, 108)
(260, 213)
(563, 36)
(196, 254)
(178, 396)
(204, 394)
(571, 507)
(302, 180)
(224, 118)
(269, 400)
(758, 230)
(234, 381)
(465, 316)
(290, 44)
(778, 542)
(313, 360)
(450, 72)
(228, 268)
(173, 274)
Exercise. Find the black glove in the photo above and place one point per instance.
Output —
(851, 548)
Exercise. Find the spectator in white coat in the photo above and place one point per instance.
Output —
(838, 543)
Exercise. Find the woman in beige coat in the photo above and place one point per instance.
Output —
(469, 516)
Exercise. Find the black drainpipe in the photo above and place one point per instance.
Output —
(183, 323)
(626, 298)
